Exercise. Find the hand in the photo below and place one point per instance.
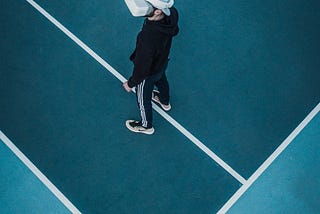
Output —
(126, 86)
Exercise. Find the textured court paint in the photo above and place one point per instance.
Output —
(291, 184)
(77, 41)
(38, 173)
(270, 159)
(250, 74)
(67, 115)
(21, 191)
(246, 72)
(210, 51)
(185, 132)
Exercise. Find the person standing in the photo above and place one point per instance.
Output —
(150, 59)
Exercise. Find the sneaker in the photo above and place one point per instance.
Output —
(136, 126)
(156, 99)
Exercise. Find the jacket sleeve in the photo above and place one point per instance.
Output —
(142, 63)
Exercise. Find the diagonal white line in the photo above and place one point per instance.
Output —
(122, 79)
(77, 41)
(38, 173)
(269, 161)
(198, 143)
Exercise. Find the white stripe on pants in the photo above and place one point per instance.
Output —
(141, 104)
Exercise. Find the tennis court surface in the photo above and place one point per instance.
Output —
(245, 100)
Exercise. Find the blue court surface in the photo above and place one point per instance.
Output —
(242, 135)
(21, 190)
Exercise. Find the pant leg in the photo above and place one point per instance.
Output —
(144, 97)
(163, 86)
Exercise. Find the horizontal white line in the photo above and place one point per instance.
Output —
(38, 173)
(122, 79)
(269, 161)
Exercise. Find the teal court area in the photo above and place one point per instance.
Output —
(290, 184)
(243, 76)
(21, 190)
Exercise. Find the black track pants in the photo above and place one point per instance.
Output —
(144, 95)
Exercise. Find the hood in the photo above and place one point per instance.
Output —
(168, 25)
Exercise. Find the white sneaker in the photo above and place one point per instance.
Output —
(155, 98)
(136, 126)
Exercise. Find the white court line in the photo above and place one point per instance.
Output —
(38, 173)
(198, 143)
(269, 161)
(122, 79)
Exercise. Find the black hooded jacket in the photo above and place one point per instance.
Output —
(153, 47)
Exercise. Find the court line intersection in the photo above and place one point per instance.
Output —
(269, 160)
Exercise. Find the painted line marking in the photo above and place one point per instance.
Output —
(122, 79)
(269, 161)
(198, 143)
(38, 173)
